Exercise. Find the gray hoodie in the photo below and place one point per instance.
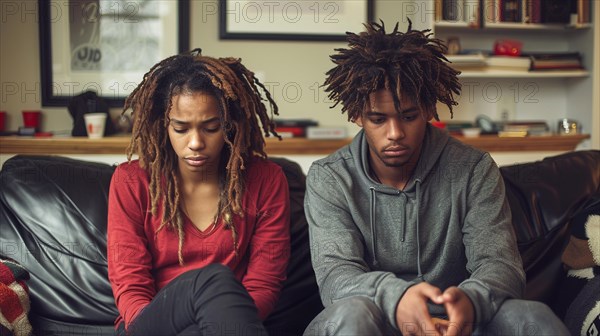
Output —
(451, 226)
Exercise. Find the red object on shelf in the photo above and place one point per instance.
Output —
(508, 47)
(295, 131)
(32, 119)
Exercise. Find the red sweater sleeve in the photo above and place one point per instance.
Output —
(269, 249)
(129, 260)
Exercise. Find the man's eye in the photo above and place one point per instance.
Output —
(377, 120)
(180, 130)
(409, 117)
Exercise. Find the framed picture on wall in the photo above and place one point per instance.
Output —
(105, 46)
(308, 20)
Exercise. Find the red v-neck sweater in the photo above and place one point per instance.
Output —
(141, 262)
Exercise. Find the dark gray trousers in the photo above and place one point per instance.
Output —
(208, 301)
(359, 316)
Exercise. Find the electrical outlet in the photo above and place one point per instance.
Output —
(506, 108)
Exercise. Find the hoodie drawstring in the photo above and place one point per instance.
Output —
(403, 218)
(372, 204)
(418, 184)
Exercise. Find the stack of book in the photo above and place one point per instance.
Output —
(533, 61)
(555, 61)
(308, 128)
(525, 128)
(293, 128)
(475, 61)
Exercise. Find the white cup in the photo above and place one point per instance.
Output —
(94, 124)
(471, 132)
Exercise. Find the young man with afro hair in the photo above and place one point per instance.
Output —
(410, 229)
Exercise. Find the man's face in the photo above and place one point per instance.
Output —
(195, 132)
(394, 137)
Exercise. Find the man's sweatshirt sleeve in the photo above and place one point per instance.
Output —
(337, 248)
(492, 256)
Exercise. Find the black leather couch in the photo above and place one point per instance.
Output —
(544, 196)
(53, 221)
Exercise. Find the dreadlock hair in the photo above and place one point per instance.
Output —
(241, 108)
(410, 64)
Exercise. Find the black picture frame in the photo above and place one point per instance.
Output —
(51, 93)
(321, 22)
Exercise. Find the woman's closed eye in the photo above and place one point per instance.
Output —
(214, 129)
(182, 130)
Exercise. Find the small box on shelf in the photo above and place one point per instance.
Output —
(321, 132)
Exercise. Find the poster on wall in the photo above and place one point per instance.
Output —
(106, 46)
(309, 20)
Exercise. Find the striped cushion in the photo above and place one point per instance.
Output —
(14, 298)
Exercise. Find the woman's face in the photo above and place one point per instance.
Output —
(195, 132)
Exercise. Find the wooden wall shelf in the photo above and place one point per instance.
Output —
(295, 146)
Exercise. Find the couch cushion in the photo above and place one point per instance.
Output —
(299, 302)
(54, 223)
(544, 196)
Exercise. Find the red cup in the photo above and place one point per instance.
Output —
(32, 119)
(2, 121)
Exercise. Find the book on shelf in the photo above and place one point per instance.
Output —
(584, 11)
(475, 61)
(556, 11)
(531, 128)
(512, 134)
(296, 122)
(451, 10)
(455, 127)
(291, 131)
(491, 11)
(536, 11)
(508, 63)
(534, 61)
(293, 128)
(439, 9)
(510, 11)
(326, 132)
(467, 11)
(555, 61)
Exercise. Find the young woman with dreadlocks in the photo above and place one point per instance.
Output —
(410, 228)
(198, 225)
